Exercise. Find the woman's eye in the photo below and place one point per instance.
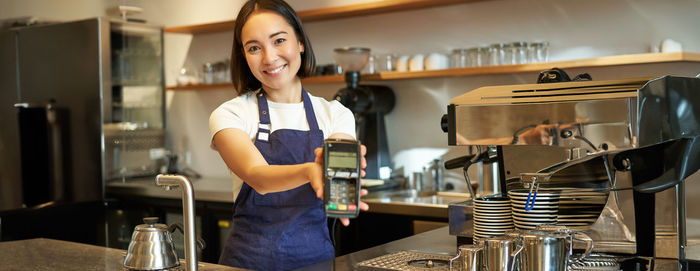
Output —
(280, 40)
(253, 49)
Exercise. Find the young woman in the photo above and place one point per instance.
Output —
(270, 137)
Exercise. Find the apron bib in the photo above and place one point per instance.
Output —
(284, 230)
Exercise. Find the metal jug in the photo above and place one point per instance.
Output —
(151, 246)
(500, 252)
(550, 249)
(471, 257)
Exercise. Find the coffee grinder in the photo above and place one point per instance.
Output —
(369, 103)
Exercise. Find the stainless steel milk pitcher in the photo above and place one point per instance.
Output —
(472, 257)
(500, 252)
(550, 250)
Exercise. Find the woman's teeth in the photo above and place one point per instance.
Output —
(277, 70)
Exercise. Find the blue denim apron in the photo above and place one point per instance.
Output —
(284, 230)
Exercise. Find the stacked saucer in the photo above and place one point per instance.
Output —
(542, 210)
(580, 208)
(576, 208)
(492, 216)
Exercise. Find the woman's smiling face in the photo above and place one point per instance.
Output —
(271, 49)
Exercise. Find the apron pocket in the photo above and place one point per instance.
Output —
(301, 196)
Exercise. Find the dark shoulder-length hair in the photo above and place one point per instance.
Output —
(243, 79)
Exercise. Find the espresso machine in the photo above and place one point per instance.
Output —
(635, 141)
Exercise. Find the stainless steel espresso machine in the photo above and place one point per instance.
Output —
(635, 141)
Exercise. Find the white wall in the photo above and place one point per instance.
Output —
(575, 30)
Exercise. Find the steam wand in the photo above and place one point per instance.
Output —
(466, 161)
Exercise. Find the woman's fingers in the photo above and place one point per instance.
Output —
(315, 176)
(364, 206)
(363, 161)
(363, 192)
(319, 156)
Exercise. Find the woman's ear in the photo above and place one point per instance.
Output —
(301, 47)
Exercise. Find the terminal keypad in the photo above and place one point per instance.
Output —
(342, 195)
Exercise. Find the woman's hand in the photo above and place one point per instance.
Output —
(319, 187)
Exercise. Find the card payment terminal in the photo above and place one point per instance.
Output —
(341, 184)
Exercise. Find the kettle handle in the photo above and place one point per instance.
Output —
(177, 225)
(174, 226)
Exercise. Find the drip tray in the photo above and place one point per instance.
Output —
(409, 260)
(595, 262)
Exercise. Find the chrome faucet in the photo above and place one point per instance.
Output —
(169, 181)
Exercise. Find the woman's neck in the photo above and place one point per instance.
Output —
(287, 94)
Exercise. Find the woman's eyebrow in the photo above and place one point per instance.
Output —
(249, 42)
(278, 33)
(271, 36)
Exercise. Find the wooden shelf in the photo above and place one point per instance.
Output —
(330, 13)
(605, 61)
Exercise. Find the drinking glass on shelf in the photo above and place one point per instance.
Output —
(188, 76)
(509, 58)
(208, 73)
(220, 69)
(386, 63)
(458, 58)
(539, 51)
(497, 54)
(519, 52)
(227, 76)
(509, 54)
(477, 56)
(371, 67)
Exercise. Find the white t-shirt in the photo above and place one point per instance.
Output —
(242, 113)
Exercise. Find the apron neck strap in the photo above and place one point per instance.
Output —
(264, 110)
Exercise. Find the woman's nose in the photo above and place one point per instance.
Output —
(269, 55)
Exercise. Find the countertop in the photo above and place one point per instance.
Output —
(421, 203)
(48, 254)
(205, 189)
